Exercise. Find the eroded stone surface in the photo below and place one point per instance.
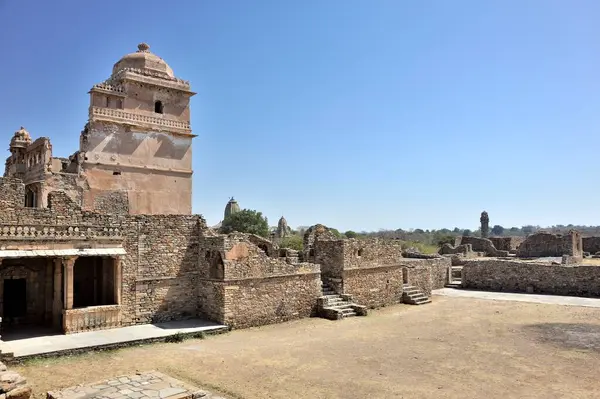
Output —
(156, 385)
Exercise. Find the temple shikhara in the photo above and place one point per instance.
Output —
(106, 237)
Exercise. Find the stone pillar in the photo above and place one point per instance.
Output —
(118, 276)
(68, 281)
(57, 303)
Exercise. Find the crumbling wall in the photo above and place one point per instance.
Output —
(542, 278)
(543, 244)
(507, 243)
(253, 287)
(591, 244)
(449, 249)
(483, 245)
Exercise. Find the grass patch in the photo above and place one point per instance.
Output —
(175, 338)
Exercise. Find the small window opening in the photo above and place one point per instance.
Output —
(117, 173)
(360, 252)
(158, 107)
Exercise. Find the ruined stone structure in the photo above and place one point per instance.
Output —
(507, 243)
(483, 245)
(591, 244)
(106, 238)
(485, 224)
(136, 143)
(542, 244)
(530, 277)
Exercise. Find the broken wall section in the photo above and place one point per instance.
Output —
(242, 285)
(543, 244)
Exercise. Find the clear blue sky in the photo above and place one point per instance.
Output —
(356, 114)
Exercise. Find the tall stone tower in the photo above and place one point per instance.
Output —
(485, 224)
(138, 138)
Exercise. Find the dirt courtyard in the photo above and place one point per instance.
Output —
(452, 348)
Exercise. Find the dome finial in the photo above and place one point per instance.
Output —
(143, 47)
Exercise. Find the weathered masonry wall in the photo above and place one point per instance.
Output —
(243, 283)
(427, 274)
(374, 287)
(514, 276)
(507, 243)
(159, 270)
(591, 244)
(543, 244)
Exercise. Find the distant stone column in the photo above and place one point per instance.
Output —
(485, 224)
(69, 264)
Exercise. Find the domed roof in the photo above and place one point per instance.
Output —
(22, 138)
(145, 60)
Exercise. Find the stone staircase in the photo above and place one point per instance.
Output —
(414, 296)
(334, 306)
(455, 277)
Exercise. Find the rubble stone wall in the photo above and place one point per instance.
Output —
(374, 287)
(255, 302)
(515, 276)
(591, 244)
(507, 243)
(542, 244)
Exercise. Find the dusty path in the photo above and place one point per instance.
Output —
(453, 348)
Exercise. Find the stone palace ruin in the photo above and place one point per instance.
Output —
(106, 238)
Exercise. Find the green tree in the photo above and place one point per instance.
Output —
(246, 221)
(292, 242)
(466, 233)
(446, 239)
(335, 232)
(351, 234)
(497, 230)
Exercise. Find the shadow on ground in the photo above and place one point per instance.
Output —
(568, 335)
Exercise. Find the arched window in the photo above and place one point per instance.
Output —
(158, 107)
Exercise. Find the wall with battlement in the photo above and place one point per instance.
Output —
(541, 278)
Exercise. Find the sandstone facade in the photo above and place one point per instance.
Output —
(136, 143)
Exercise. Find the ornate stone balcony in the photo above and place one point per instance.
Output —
(118, 115)
(40, 232)
(91, 318)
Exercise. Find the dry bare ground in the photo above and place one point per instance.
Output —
(452, 348)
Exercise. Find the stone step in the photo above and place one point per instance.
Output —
(456, 267)
(453, 285)
(342, 307)
(331, 296)
(422, 302)
(352, 314)
(417, 297)
(411, 292)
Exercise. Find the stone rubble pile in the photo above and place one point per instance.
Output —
(13, 385)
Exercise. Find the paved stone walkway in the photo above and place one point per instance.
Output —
(505, 296)
(144, 385)
(57, 344)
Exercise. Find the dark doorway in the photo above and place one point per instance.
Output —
(15, 298)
